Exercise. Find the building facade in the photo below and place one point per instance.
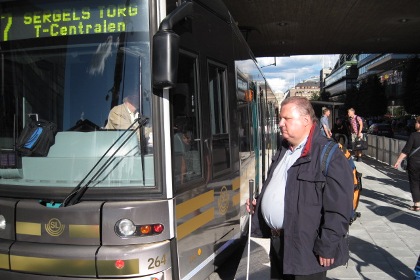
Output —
(343, 77)
(307, 88)
(389, 68)
(323, 74)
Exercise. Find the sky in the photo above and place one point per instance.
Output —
(294, 69)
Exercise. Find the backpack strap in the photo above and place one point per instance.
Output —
(358, 119)
(326, 155)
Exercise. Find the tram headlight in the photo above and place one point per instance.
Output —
(125, 227)
(2, 222)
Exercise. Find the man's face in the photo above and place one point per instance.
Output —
(131, 107)
(351, 114)
(327, 113)
(293, 126)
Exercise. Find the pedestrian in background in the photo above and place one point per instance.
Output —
(417, 270)
(340, 132)
(304, 213)
(324, 123)
(356, 127)
(412, 150)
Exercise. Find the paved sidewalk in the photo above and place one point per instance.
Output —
(384, 242)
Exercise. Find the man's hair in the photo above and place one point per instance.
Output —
(350, 109)
(325, 110)
(302, 105)
(133, 99)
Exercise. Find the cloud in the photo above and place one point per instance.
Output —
(291, 70)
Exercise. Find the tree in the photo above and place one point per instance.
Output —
(352, 98)
(325, 95)
(315, 96)
(411, 85)
(371, 99)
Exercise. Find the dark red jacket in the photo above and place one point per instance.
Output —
(318, 208)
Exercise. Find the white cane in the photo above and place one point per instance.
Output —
(251, 198)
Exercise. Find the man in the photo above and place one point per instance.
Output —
(324, 124)
(356, 127)
(340, 132)
(305, 214)
(122, 116)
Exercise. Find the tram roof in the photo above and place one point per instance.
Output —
(297, 27)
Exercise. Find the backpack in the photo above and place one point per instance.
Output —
(36, 138)
(326, 155)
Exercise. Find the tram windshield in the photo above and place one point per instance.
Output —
(84, 69)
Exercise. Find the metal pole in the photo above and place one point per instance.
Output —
(251, 198)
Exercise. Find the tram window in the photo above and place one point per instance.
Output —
(217, 99)
(244, 115)
(56, 84)
(186, 141)
(218, 118)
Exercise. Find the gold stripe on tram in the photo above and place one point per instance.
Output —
(107, 267)
(236, 199)
(28, 228)
(191, 205)
(75, 231)
(84, 231)
(4, 261)
(236, 183)
(53, 266)
(69, 267)
(195, 223)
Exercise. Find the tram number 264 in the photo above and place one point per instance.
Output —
(156, 262)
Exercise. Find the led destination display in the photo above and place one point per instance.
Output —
(69, 18)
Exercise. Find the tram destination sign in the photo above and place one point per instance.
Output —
(53, 19)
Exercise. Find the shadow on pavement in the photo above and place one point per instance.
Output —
(259, 267)
(367, 257)
(396, 178)
(394, 215)
(235, 266)
(390, 199)
(370, 257)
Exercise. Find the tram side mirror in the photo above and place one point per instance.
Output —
(166, 48)
(165, 59)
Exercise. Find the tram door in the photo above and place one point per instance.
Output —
(187, 144)
(189, 169)
(206, 192)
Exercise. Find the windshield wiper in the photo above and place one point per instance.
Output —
(77, 193)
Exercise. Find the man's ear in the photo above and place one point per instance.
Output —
(306, 120)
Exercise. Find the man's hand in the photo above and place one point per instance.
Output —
(325, 262)
(248, 207)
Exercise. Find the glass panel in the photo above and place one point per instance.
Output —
(218, 118)
(75, 65)
(187, 145)
(217, 99)
(245, 124)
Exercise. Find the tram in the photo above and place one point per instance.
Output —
(161, 199)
